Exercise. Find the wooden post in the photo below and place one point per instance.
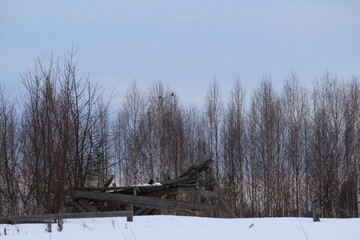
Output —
(48, 228)
(60, 223)
(129, 218)
(13, 212)
(316, 210)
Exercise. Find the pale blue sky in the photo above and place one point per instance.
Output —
(184, 44)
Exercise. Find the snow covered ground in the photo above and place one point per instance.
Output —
(177, 227)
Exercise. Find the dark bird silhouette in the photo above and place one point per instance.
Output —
(151, 182)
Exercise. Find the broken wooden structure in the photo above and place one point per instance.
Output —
(192, 193)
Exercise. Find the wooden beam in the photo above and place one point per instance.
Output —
(180, 180)
(160, 192)
(107, 183)
(78, 206)
(119, 189)
(102, 188)
(190, 172)
(196, 169)
(140, 201)
(19, 221)
(87, 206)
(49, 217)
(226, 208)
(203, 193)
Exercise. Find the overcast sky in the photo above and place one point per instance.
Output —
(183, 43)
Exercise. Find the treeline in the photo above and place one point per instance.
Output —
(274, 151)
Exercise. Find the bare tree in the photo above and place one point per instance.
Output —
(101, 169)
(61, 115)
(213, 116)
(129, 128)
(195, 147)
(266, 164)
(295, 113)
(9, 155)
(350, 188)
(326, 142)
(234, 144)
(165, 129)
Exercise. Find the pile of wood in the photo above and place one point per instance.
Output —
(192, 193)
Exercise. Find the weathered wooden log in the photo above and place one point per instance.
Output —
(160, 192)
(141, 201)
(20, 221)
(107, 183)
(192, 190)
(87, 206)
(103, 188)
(119, 189)
(181, 180)
(190, 172)
(202, 193)
(195, 170)
(77, 206)
(227, 210)
(49, 217)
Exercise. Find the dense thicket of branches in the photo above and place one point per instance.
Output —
(274, 151)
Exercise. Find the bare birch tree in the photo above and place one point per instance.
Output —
(234, 144)
(295, 113)
(213, 114)
(9, 155)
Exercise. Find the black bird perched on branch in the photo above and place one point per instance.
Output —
(151, 182)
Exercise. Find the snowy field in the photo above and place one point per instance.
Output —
(176, 227)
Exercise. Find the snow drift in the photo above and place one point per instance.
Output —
(179, 227)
